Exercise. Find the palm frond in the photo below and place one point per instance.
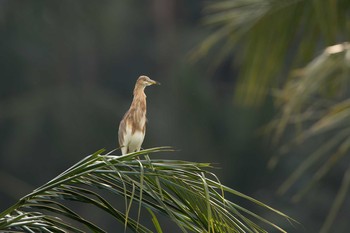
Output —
(269, 38)
(316, 101)
(181, 190)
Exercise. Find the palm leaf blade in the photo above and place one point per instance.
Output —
(180, 190)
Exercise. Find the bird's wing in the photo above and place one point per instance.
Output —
(121, 132)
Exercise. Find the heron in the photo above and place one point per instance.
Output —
(132, 127)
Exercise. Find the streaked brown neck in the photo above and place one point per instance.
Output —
(139, 90)
(139, 97)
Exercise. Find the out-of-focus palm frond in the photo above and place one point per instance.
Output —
(320, 90)
(181, 190)
(317, 102)
(270, 37)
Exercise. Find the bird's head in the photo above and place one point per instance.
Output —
(146, 81)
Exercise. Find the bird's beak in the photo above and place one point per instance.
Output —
(155, 82)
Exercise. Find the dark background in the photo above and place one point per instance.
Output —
(67, 73)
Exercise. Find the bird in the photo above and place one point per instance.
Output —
(132, 127)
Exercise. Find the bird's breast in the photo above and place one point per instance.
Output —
(133, 138)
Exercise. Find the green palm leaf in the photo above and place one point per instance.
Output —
(181, 190)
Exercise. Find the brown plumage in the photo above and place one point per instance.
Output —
(132, 128)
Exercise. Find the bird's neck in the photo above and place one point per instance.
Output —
(139, 90)
(139, 100)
